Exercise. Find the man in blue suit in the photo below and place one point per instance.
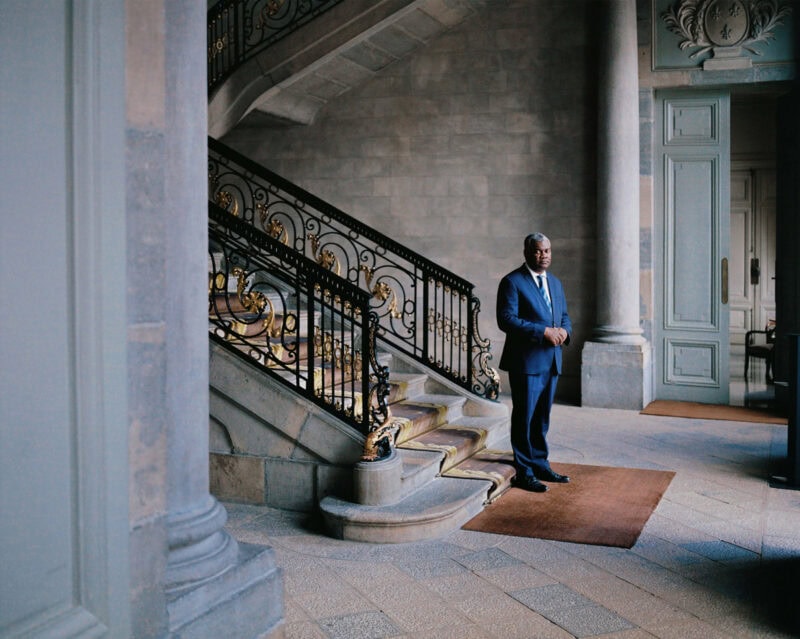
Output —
(532, 312)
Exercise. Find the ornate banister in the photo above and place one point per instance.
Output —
(308, 328)
(241, 29)
(422, 309)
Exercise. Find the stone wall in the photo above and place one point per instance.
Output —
(461, 149)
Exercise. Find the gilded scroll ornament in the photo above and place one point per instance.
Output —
(253, 301)
(481, 368)
(380, 441)
(216, 282)
(325, 258)
(226, 201)
(277, 230)
(217, 47)
(381, 292)
(725, 28)
(270, 9)
(493, 387)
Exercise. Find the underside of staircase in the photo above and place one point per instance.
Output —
(341, 49)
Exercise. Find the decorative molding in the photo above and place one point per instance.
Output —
(725, 28)
(99, 440)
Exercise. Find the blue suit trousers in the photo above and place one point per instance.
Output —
(532, 397)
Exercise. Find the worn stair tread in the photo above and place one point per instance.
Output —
(496, 466)
(456, 442)
(419, 467)
(440, 506)
(496, 427)
(440, 399)
(423, 413)
(413, 419)
(405, 386)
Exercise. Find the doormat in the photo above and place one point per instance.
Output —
(602, 506)
(697, 410)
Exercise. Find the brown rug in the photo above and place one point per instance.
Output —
(601, 505)
(696, 410)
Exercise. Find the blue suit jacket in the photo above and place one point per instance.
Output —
(522, 314)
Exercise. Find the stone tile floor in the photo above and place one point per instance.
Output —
(719, 557)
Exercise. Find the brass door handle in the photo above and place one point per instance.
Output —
(724, 276)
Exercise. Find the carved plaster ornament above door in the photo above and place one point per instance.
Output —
(725, 28)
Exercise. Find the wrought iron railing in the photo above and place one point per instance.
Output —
(241, 29)
(301, 323)
(423, 310)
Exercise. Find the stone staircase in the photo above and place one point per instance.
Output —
(270, 445)
(442, 472)
(280, 375)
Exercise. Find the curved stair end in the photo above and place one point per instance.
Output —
(437, 508)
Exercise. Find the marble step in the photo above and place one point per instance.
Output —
(460, 439)
(496, 466)
(405, 386)
(425, 412)
(435, 509)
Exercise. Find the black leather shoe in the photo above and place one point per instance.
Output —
(531, 484)
(551, 475)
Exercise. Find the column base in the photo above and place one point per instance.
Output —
(200, 548)
(616, 375)
(245, 601)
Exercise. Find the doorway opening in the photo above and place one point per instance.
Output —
(752, 245)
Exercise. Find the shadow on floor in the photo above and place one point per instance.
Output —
(770, 588)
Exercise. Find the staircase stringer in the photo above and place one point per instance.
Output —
(286, 451)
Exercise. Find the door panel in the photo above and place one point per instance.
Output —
(689, 242)
(693, 198)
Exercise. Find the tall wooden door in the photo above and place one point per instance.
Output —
(692, 189)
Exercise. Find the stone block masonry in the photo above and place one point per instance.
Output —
(460, 149)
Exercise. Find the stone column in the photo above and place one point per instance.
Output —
(199, 546)
(616, 361)
(208, 584)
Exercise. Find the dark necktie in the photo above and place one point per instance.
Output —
(543, 291)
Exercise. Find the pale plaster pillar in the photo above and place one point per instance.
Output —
(616, 361)
(209, 585)
(199, 546)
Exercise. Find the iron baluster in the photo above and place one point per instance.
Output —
(367, 413)
(468, 350)
(455, 365)
(426, 295)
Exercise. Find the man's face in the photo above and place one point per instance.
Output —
(538, 256)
